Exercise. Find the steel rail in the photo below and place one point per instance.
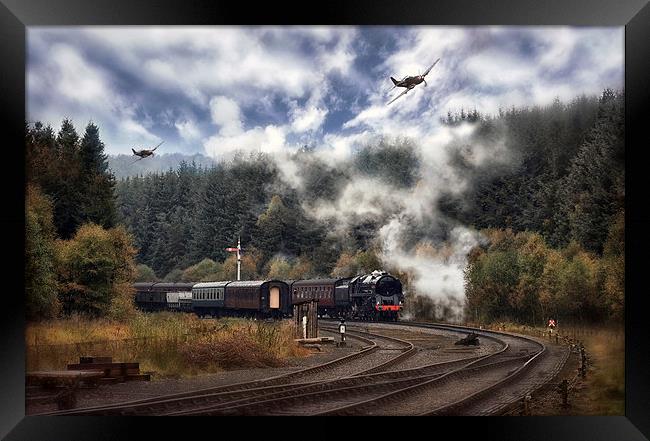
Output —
(133, 407)
(350, 409)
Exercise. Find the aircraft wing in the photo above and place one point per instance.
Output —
(157, 146)
(401, 94)
(430, 67)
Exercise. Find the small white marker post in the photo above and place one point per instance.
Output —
(342, 332)
(304, 326)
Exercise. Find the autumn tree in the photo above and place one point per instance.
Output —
(96, 268)
(40, 271)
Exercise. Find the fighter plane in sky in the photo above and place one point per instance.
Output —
(410, 82)
(144, 153)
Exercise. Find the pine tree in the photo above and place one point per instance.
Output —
(65, 186)
(97, 184)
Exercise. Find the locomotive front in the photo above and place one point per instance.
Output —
(377, 296)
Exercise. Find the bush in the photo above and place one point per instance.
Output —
(94, 268)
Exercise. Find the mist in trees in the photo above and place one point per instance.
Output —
(565, 177)
(549, 205)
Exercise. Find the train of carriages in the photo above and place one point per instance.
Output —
(375, 296)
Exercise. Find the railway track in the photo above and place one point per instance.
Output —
(377, 356)
(481, 388)
(363, 384)
(351, 387)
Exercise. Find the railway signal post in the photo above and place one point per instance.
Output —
(238, 251)
(342, 332)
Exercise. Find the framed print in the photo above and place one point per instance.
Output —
(362, 209)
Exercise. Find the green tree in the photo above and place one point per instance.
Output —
(40, 275)
(594, 190)
(279, 268)
(96, 268)
(144, 273)
(205, 270)
(96, 182)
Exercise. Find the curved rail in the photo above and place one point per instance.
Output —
(148, 405)
(456, 373)
(265, 395)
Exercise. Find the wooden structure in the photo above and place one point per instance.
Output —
(305, 316)
(53, 379)
(59, 387)
(111, 372)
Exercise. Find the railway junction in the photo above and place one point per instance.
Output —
(386, 368)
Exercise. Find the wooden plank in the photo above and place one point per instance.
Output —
(66, 374)
(93, 359)
(139, 377)
(84, 366)
(55, 379)
(315, 340)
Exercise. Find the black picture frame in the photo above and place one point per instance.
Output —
(16, 15)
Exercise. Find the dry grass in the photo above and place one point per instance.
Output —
(254, 344)
(168, 344)
(605, 383)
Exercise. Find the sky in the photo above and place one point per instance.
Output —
(215, 90)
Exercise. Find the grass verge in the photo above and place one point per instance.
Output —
(167, 344)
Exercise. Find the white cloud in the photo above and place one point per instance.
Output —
(187, 129)
(496, 68)
(308, 119)
(226, 114)
(76, 79)
(269, 139)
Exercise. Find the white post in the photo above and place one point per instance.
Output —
(238, 258)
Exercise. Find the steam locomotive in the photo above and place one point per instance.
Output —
(375, 296)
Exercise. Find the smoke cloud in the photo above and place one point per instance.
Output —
(412, 234)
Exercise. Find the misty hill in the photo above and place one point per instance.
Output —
(123, 165)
